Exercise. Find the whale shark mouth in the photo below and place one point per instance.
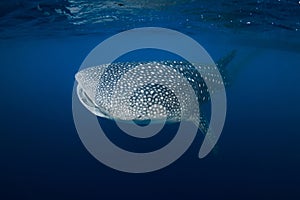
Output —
(90, 104)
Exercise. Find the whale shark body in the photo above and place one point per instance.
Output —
(156, 90)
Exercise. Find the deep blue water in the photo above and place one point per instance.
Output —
(43, 44)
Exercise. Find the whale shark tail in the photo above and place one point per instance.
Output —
(222, 64)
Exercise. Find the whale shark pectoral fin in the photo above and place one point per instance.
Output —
(201, 122)
(209, 141)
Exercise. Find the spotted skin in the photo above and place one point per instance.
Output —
(140, 96)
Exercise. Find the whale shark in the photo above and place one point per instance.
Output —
(151, 90)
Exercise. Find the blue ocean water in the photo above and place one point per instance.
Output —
(43, 44)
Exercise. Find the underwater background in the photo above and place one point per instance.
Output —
(43, 44)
